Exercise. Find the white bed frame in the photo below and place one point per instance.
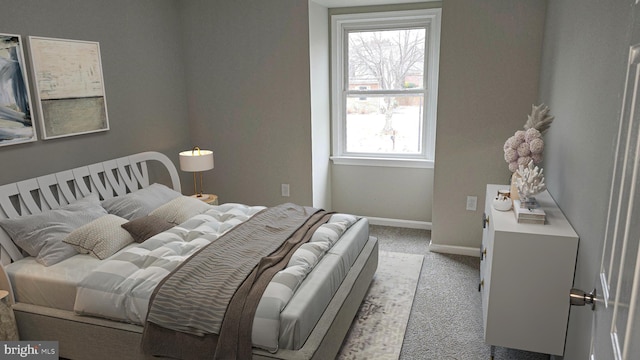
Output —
(82, 337)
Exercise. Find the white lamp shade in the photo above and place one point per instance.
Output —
(196, 160)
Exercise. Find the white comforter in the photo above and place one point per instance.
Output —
(121, 287)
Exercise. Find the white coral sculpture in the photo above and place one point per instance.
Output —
(527, 145)
(530, 180)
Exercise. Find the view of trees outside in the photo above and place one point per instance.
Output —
(379, 121)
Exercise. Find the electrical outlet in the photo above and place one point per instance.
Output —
(472, 203)
(285, 189)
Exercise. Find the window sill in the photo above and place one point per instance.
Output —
(384, 162)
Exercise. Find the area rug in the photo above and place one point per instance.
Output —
(378, 329)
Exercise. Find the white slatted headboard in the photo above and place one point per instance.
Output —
(108, 179)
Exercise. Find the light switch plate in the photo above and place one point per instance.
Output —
(285, 190)
(472, 203)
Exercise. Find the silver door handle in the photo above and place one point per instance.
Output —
(580, 298)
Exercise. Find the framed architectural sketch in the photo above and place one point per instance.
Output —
(69, 86)
(16, 121)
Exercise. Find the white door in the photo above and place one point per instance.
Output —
(616, 323)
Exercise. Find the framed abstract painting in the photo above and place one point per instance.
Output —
(69, 86)
(16, 120)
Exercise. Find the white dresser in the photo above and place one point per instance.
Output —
(526, 274)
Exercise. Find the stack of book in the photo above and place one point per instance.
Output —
(528, 215)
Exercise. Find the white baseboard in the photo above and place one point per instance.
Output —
(452, 249)
(411, 224)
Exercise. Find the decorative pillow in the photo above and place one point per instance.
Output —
(140, 202)
(145, 227)
(41, 235)
(100, 238)
(181, 209)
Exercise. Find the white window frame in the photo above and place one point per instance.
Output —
(341, 25)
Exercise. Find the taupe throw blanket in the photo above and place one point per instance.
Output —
(205, 308)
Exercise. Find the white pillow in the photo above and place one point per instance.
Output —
(181, 209)
(41, 235)
(100, 238)
(140, 202)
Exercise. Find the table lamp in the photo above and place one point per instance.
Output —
(196, 161)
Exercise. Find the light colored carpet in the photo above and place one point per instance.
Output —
(378, 330)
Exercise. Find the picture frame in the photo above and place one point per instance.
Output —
(69, 86)
(16, 120)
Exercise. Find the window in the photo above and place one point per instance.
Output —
(385, 81)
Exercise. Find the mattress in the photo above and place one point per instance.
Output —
(50, 286)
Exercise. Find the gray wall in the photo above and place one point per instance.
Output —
(235, 77)
(384, 192)
(145, 88)
(258, 115)
(248, 77)
(320, 104)
(582, 81)
(489, 65)
(248, 97)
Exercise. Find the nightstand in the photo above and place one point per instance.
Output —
(8, 327)
(208, 198)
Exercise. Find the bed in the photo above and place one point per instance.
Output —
(74, 297)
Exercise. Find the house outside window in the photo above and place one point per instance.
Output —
(385, 81)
